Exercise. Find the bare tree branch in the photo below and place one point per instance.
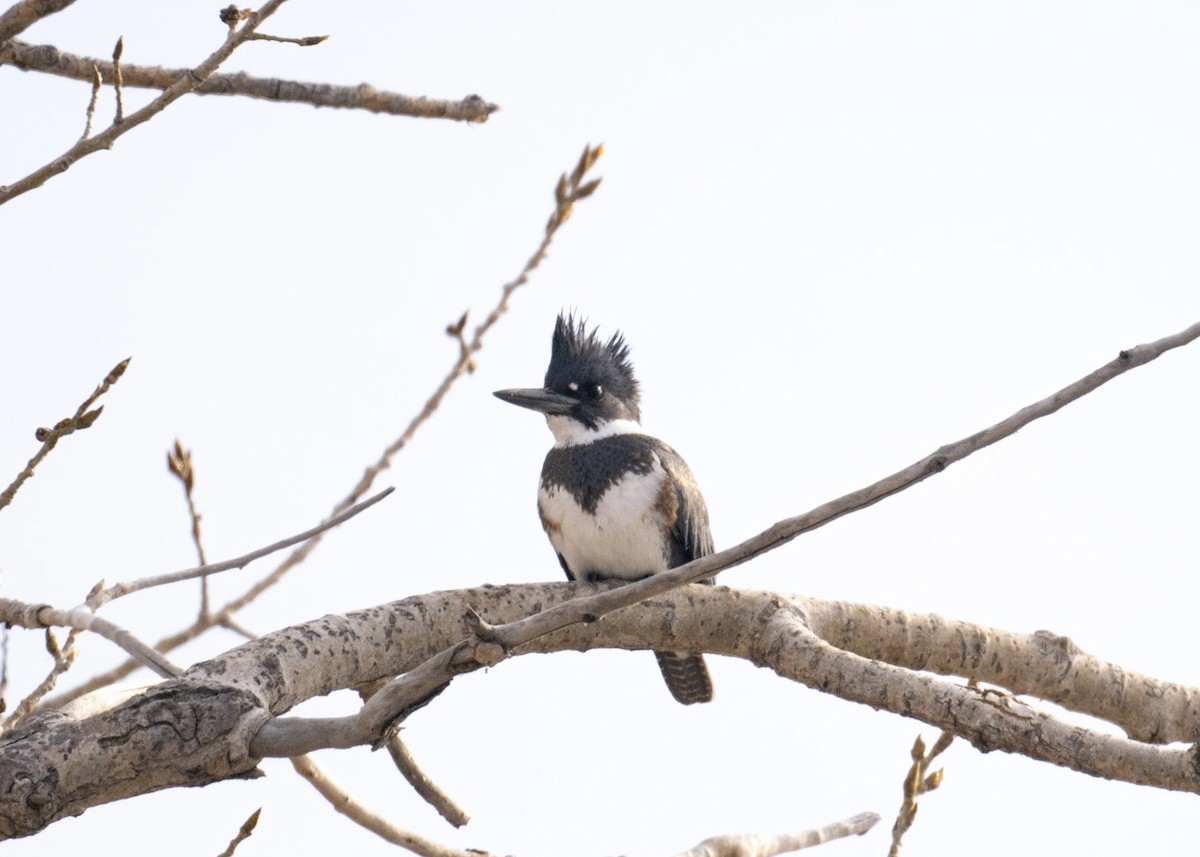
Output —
(423, 785)
(887, 664)
(414, 689)
(51, 60)
(44, 616)
(243, 834)
(566, 194)
(784, 531)
(64, 657)
(345, 803)
(90, 115)
(182, 86)
(407, 765)
(179, 465)
(169, 643)
(568, 191)
(49, 437)
(25, 14)
(757, 845)
(120, 589)
(917, 782)
(302, 41)
(119, 80)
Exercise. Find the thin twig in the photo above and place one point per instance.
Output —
(344, 803)
(26, 615)
(97, 82)
(51, 60)
(423, 785)
(64, 657)
(117, 590)
(179, 464)
(568, 191)
(243, 834)
(106, 138)
(759, 845)
(119, 80)
(917, 781)
(228, 622)
(169, 643)
(304, 41)
(49, 437)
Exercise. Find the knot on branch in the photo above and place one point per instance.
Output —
(490, 650)
(1056, 646)
(231, 15)
(20, 614)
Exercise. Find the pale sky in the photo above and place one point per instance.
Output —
(836, 237)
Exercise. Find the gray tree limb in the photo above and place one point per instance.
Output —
(209, 723)
(25, 13)
(181, 87)
(51, 60)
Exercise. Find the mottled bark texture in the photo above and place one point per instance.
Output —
(198, 728)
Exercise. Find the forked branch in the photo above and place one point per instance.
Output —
(181, 87)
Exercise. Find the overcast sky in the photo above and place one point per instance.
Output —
(836, 235)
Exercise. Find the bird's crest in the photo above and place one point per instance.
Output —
(580, 356)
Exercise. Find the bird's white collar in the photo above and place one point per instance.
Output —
(571, 432)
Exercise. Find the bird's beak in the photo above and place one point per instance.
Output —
(543, 401)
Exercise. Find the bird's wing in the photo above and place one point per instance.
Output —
(563, 563)
(692, 534)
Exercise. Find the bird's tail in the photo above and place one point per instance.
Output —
(686, 677)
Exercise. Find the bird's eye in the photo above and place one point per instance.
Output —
(595, 391)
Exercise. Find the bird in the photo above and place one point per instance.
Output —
(616, 502)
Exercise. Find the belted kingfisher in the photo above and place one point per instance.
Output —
(616, 503)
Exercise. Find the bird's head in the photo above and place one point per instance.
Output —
(589, 388)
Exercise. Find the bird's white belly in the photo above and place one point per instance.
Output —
(623, 539)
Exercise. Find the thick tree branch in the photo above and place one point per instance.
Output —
(180, 735)
(428, 640)
(249, 687)
(51, 60)
(786, 634)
